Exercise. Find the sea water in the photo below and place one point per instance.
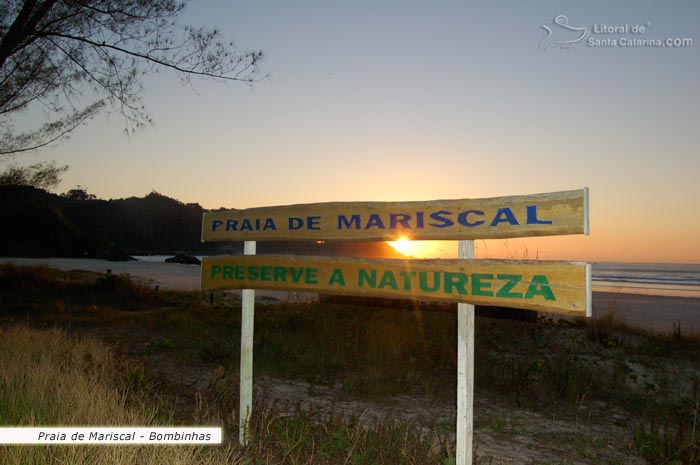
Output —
(681, 280)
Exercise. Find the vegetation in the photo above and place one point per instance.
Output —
(55, 53)
(77, 224)
(596, 373)
(40, 175)
(81, 381)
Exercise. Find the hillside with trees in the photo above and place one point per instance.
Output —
(37, 223)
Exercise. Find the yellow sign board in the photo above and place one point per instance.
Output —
(557, 287)
(548, 214)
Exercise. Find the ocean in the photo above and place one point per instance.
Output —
(647, 278)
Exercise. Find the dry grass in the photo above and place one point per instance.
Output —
(50, 379)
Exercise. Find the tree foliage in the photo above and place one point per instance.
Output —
(57, 53)
(40, 175)
(79, 193)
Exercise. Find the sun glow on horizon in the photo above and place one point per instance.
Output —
(404, 246)
(424, 249)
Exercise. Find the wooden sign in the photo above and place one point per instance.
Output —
(557, 287)
(500, 217)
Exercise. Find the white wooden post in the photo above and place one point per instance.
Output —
(465, 371)
(246, 372)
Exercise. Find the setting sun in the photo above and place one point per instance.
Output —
(424, 249)
(404, 246)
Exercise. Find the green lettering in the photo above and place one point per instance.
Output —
(512, 280)
(226, 272)
(540, 286)
(456, 280)
(407, 275)
(388, 279)
(312, 276)
(280, 273)
(423, 281)
(253, 273)
(296, 274)
(337, 278)
(265, 273)
(370, 278)
(215, 270)
(240, 272)
(479, 287)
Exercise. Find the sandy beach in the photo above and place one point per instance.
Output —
(655, 312)
(660, 313)
(172, 276)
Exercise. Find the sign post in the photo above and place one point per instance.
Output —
(465, 370)
(558, 287)
(246, 370)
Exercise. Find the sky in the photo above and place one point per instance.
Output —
(404, 100)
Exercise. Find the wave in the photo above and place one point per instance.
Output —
(651, 277)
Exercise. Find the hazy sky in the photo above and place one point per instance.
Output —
(426, 100)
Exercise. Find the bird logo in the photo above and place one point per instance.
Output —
(560, 34)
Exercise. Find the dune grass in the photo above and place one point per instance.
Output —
(50, 379)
